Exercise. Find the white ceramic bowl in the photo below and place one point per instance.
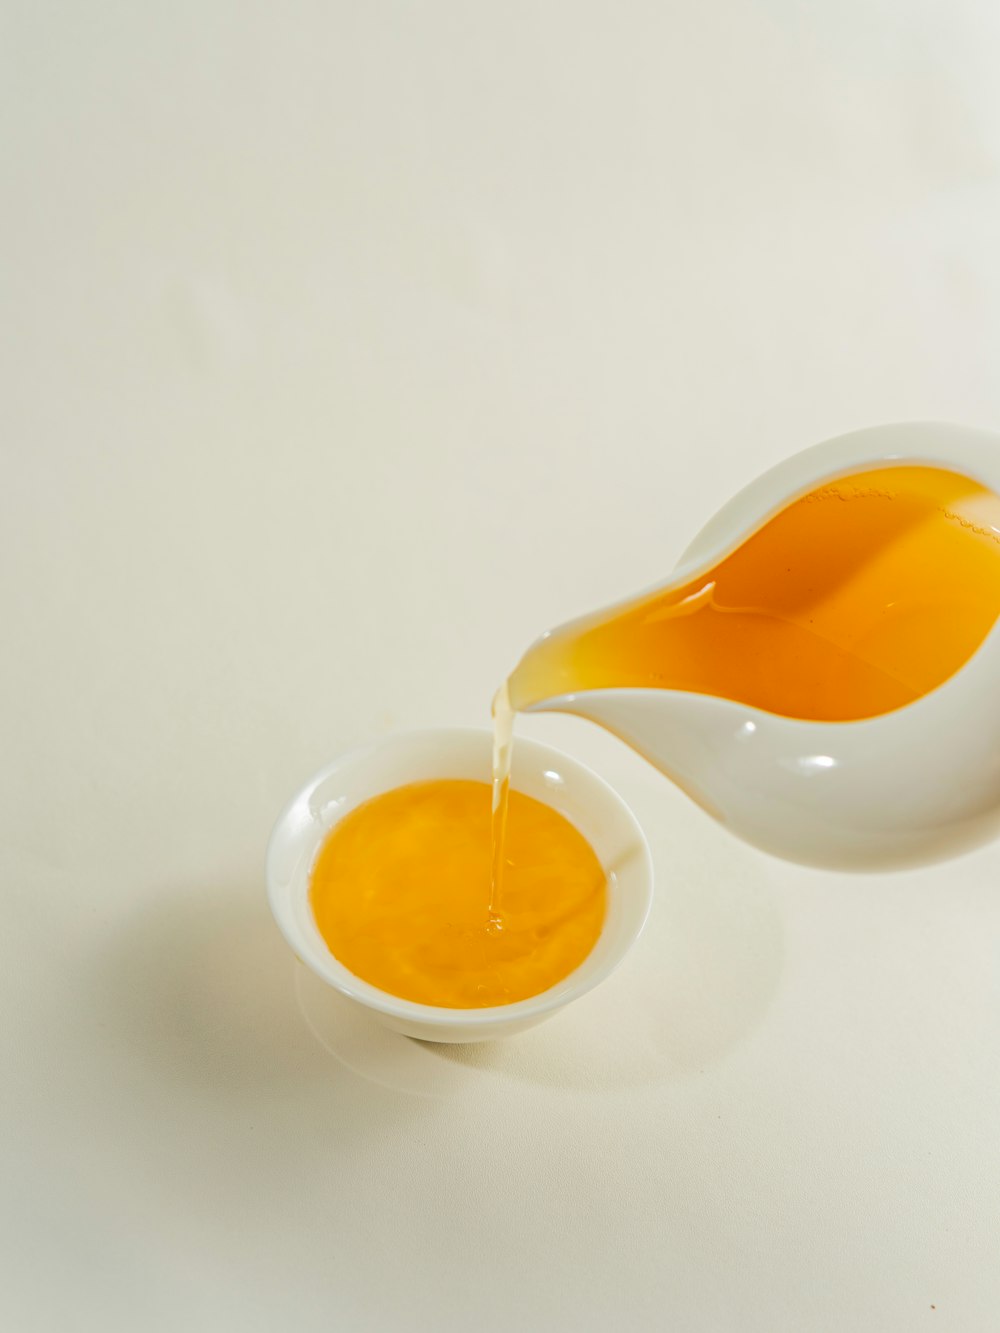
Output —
(577, 793)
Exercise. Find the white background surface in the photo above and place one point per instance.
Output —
(346, 348)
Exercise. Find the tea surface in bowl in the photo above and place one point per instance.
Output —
(400, 892)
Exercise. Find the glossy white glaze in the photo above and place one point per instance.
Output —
(913, 786)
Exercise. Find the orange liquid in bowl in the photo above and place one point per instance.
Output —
(400, 892)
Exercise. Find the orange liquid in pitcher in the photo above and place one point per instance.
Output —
(400, 893)
(853, 601)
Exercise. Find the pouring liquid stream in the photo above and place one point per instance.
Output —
(503, 741)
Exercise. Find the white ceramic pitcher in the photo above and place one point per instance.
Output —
(911, 786)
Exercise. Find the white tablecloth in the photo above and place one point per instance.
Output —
(346, 348)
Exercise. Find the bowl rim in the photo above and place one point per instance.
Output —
(582, 979)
